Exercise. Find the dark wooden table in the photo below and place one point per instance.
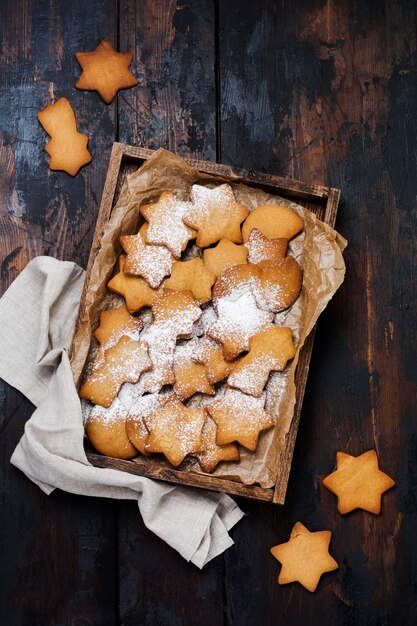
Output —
(323, 92)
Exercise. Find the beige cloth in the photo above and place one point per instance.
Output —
(37, 318)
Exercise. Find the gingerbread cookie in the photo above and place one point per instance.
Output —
(260, 248)
(210, 353)
(135, 421)
(165, 224)
(106, 429)
(358, 482)
(114, 324)
(274, 221)
(193, 276)
(105, 70)
(270, 350)
(305, 557)
(213, 454)
(190, 377)
(124, 362)
(68, 147)
(134, 290)
(240, 418)
(225, 254)
(175, 430)
(215, 215)
(238, 319)
(151, 262)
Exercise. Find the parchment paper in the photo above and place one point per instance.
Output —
(318, 249)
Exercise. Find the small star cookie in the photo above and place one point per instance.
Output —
(240, 418)
(135, 422)
(274, 221)
(358, 482)
(165, 225)
(225, 254)
(193, 276)
(105, 70)
(305, 557)
(213, 454)
(124, 362)
(134, 290)
(68, 147)
(190, 377)
(238, 319)
(114, 324)
(151, 262)
(215, 215)
(270, 349)
(175, 430)
(210, 354)
(106, 429)
(178, 309)
(161, 337)
(260, 248)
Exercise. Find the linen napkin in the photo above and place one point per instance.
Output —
(37, 320)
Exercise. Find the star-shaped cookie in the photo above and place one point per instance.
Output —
(142, 406)
(260, 248)
(270, 349)
(358, 482)
(240, 418)
(213, 454)
(114, 324)
(165, 225)
(190, 377)
(238, 319)
(105, 70)
(193, 276)
(175, 430)
(151, 262)
(215, 215)
(210, 353)
(134, 290)
(178, 310)
(305, 557)
(224, 255)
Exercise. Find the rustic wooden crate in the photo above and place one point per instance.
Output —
(323, 201)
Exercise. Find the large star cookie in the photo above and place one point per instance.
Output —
(124, 362)
(225, 254)
(193, 276)
(165, 224)
(305, 557)
(175, 430)
(136, 291)
(274, 221)
(358, 482)
(151, 262)
(105, 70)
(213, 454)
(240, 418)
(270, 349)
(215, 215)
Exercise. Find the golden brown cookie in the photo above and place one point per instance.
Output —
(105, 70)
(178, 309)
(190, 377)
(210, 354)
(279, 284)
(124, 362)
(240, 418)
(67, 148)
(358, 482)
(134, 290)
(165, 224)
(135, 421)
(192, 276)
(114, 324)
(175, 430)
(215, 215)
(239, 317)
(235, 281)
(270, 350)
(260, 248)
(225, 254)
(274, 221)
(151, 262)
(305, 557)
(213, 454)
(106, 429)
(161, 338)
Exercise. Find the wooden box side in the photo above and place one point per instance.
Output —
(323, 201)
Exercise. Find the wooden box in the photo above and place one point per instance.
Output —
(323, 201)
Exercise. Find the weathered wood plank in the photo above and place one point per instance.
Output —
(58, 553)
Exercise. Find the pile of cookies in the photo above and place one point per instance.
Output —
(197, 322)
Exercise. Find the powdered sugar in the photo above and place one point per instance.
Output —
(166, 226)
(151, 262)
